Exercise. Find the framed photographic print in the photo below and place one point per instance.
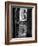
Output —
(20, 22)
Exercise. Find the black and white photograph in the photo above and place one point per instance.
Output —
(21, 22)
